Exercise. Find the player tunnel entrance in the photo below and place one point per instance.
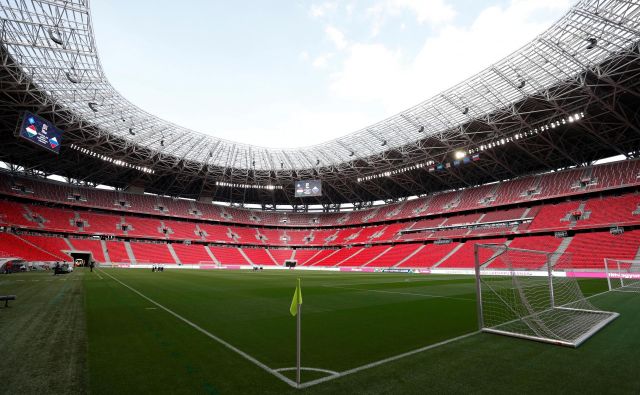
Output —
(81, 258)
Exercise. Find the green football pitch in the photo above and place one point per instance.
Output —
(133, 331)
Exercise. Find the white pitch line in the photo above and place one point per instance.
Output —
(99, 276)
(386, 360)
(399, 293)
(209, 334)
(327, 371)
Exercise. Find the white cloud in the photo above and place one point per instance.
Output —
(374, 73)
(426, 11)
(304, 55)
(369, 71)
(433, 12)
(320, 10)
(336, 36)
(322, 61)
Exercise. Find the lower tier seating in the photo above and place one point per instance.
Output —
(192, 254)
(584, 250)
(92, 246)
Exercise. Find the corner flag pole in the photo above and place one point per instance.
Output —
(296, 310)
(299, 319)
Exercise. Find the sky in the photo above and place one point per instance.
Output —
(289, 74)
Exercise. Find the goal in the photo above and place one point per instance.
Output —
(519, 294)
(622, 275)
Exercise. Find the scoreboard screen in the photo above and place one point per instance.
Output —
(40, 132)
(308, 188)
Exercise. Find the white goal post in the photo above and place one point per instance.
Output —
(623, 275)
(519, 294)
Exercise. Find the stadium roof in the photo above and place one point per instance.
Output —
(51, 65)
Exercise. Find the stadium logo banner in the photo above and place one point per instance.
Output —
(40, 132)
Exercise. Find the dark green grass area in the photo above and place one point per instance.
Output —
(43, 338)
(349, 320)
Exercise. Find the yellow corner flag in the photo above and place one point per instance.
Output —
(297, 300)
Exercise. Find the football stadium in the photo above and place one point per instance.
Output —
(483, 240)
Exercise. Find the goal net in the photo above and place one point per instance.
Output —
(622, 275)
(518, 295)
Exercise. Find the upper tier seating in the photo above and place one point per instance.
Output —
(569, 182)
(12, 213)
(106, 224)
(554, 216)
(143, 227)
(181, 230)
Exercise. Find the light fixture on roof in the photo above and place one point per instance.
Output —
(593, 42)
(465, 111)
(210, 154)
(55, 36)
(352, 153)
(93, 106)
(131, 132)
(384, 142)
(162, 142)
(318, 162)
(522, 84)
(459, 154)
(421, 129)
(72, 77)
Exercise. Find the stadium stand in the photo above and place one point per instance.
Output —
(303, 256)
(259, 256)
(17, 246)
(523, 190)
(117, 252)
(280, 255)
(92, 246)
(192, 254)
(394, 255)
(440, 216)
(229, 255)
(152, 253)
(464, 256)
(588, 250)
